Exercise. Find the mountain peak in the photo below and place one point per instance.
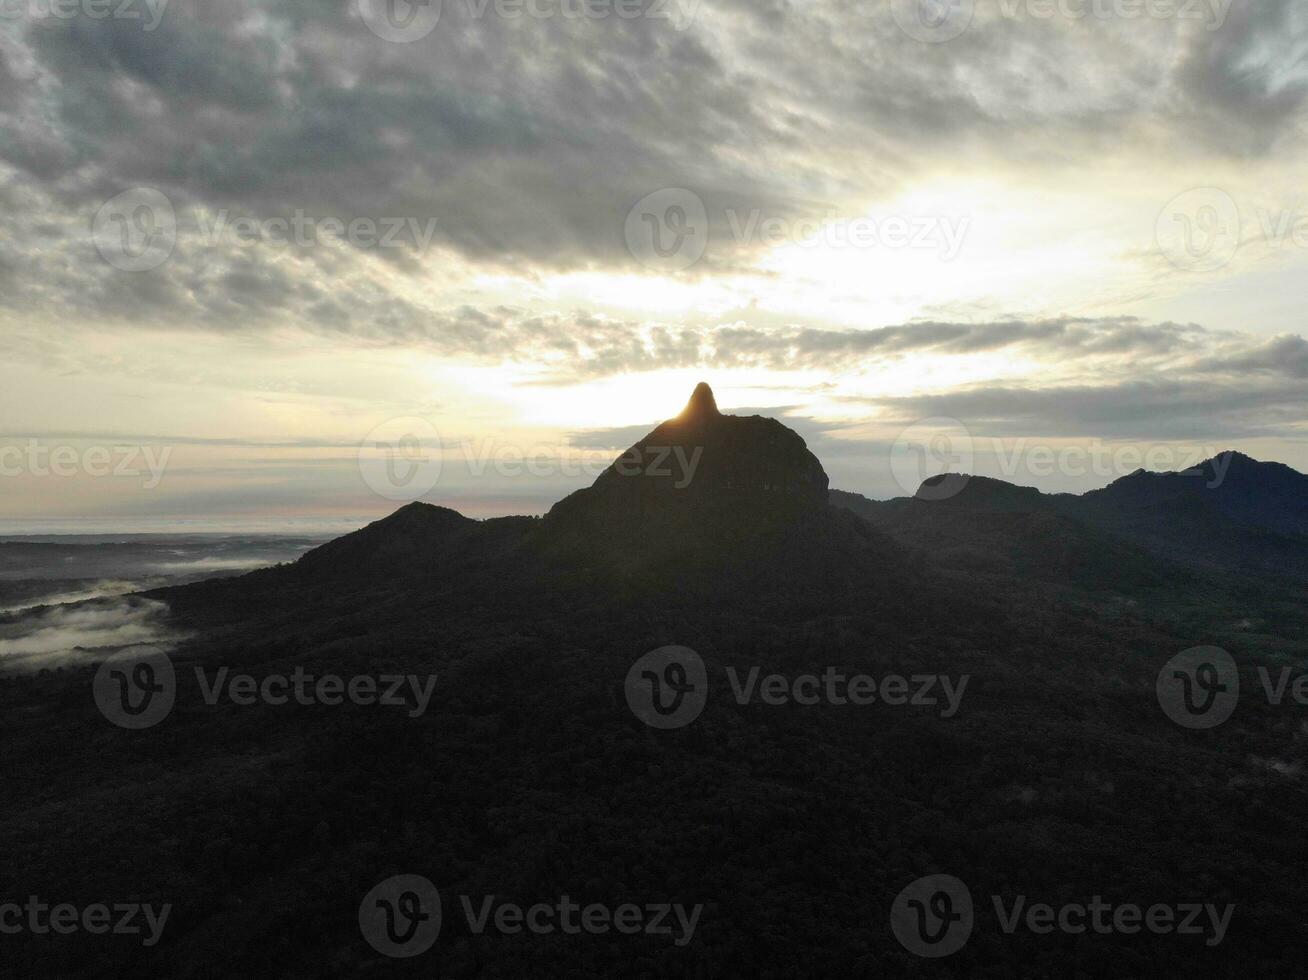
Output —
(699, 473)
(702, 405)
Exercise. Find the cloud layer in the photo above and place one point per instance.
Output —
(527, 140)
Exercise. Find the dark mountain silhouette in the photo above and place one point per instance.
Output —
(1231, 513)
(419, 541)
(1271, 496)
(705, 502)
(992, 528)
(699, 470)
(719, 501)
(415, 535)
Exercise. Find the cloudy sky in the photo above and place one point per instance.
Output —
(1052, 240)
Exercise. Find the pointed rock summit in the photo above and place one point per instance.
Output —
(702, 405)
(700, 471)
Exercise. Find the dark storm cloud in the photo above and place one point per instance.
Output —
(531, 139)
(1182, 409)
(1059, 337)
(1242, 85)
(1185, 408)
(1151, 380)
(1286, 356)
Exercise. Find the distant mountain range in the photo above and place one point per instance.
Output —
(1229, 514)
(708, 500)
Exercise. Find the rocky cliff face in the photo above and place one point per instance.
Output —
(701, 470)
